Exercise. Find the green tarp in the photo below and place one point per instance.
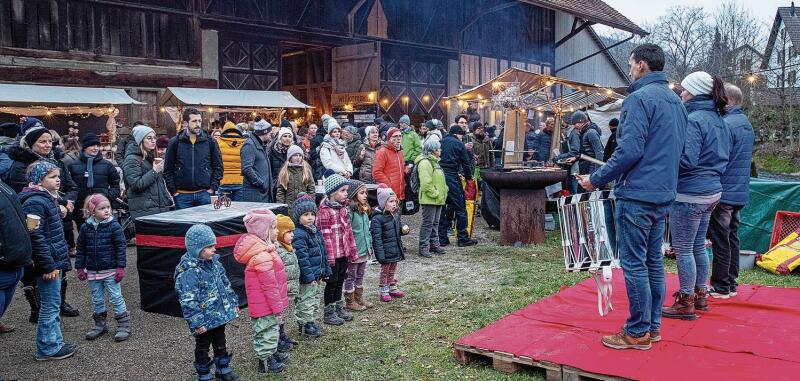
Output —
(766, 198)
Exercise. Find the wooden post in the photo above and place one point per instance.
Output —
(522, 212)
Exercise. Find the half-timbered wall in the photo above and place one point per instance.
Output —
(413, 84)
(249, 64)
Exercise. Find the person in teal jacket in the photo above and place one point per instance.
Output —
(432, 196)
(359, 220)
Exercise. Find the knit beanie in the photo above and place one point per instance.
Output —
(92, 202)
(332, 125)
(294, 150)
(579, 117)
(433, 135)
(392, 131)
(89, 140)
(29, 123)
(384, 194)
(354, 186)
(326, 119)
(698, 83)
(285, 225)
(259, 221)
(333, 183)
(39, 169)
(33, 134)
(456, 129)
(302, 205)
(351, 129)
(405, 119)
(284, 131)
(9, 130)
(433, 124)
(198, 238)
(474, 126)
(140, 132)
(286, 123)
(261, 127)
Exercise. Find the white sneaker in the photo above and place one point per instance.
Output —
(716, 295)
(733, 293)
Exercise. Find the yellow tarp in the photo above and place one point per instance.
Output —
(784, 257)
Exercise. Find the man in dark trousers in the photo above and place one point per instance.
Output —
(611, 144)
(455, 161)
(735, 195)
(645, 164)
(192, 164)
(590, 143)
(15, 248)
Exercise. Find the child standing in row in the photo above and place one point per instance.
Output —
(265, 284)
(386, 233)
(359, 219)
(100, 259)
(294, 177)
(207, 301)
(334, 222)
(292, 269)
(309, 247)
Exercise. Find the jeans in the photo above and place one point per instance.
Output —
(99, 288)
(428, 236)
(8, 284)
(48, 329)
(355, 276)
(213, 337)
(640, 232)
(455, 204)
(306, 304)
(188, 200)
(265, 336)
(688, 226)
(233, 191)
(334, 285)
(724, 228)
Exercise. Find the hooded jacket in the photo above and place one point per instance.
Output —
(15, 243)
(366, 164)
(50, 250)
(101, 246)
(591, 146)
(389, 168)
(481, 148)
(192, 167)
(432, 185)
(257, 185)
(736, 179)
(264, 276)
(146, 190)
(331, 160)
(309, 247)
(360, 224)
(386, 240)
(230, 148)
(411, 143)
(455, 158)
(706, 151)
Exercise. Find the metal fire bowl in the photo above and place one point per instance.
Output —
(523, 178)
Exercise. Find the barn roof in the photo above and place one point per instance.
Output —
(596, 11)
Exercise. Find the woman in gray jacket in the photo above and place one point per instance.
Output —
(144, 179)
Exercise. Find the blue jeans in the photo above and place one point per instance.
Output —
(640, 232)
(8, 284)
(99, 288)
(188, 200)
(233, 191)
(455, 204)
(688, 226)
(48, 330)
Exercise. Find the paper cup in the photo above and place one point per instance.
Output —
(32, 221)
(158, 160)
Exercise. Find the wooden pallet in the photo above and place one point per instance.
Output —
(509, 363)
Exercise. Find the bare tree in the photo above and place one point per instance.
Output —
(684, 34)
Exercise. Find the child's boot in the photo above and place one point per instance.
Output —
(394, 292)
(203, 370)
(281, 357)
(283, 344)
(383, 292)
(359, 296)
(309, 329)
(123, 326)
(270, 366)
(342, 313)
(331, 317)
(224, 371)
(32, 295)
(99, 326)
(286, 337)
(351, 303)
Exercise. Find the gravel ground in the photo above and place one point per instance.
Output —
(160, 347)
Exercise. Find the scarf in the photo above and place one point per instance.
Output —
(333, 204)
(279, 147)
(337, 145)
(312, 228)
(89, 168)
(287, 246)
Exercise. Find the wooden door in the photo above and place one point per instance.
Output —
(356, 68)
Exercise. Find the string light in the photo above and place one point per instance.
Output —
(294, 112)
(163, 109)
(751, 78)
(385, 101)
(371, 96)
(426, 98)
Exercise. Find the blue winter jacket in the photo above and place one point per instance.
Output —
(706, 150)
(650, 139)
(455, 158)
(309, 247)
(204, 292)
(192, 167)
(542, 146)
(50, 250)
(592, 146)
(736, 179)
(100, 246)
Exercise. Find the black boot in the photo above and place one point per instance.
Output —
(271, 366)
(66, 309)
(203, 370)
(32, 295)
(223, 371)
(284, 344)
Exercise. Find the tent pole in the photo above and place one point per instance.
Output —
(555, 140)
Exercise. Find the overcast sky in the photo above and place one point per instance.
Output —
(641, 11)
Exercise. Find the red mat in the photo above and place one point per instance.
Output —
(754, 336)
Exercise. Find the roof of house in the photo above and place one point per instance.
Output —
(790, 16)
(595, 11)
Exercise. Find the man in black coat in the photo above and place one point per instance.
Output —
(455, 161)
(611, 144)
(15, 248)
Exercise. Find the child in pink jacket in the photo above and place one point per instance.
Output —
(265, 284)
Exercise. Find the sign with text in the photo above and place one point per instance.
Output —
(342, 99)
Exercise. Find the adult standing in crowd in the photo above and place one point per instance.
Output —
(192, 164)
(15, 248)
(278, 152)
(144, 176)
(529, 147)
(352, 142)
(257, 185)
(735, 196)
(432, 197)
(481, 147)
(333, 151)
(365, 156)
(541, 144)
(423, 132)
(455, 161)
(309, 134)
(316, 142)
(590, 143)
(230, 148)
(161, 146)
(570, 152)
(410, 140)
(704, 160)
(611, 144)
(390, 166)
(647, 157)
(93, 174)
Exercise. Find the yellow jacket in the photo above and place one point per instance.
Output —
(230, 146)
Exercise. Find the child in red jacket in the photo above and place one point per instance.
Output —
(265, 284)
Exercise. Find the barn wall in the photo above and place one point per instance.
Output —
(598, 69)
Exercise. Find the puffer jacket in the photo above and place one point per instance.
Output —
(146, 190)
(50, 250)
(257, 185)
(292, 270)
(309, 247)
(386, 238)
(230, 147)
(264, 276)
(15, 243)
(736, 179)
(100, 246)
(334, 223)
(367, 163)
(17, 178)
(389, 168)
(106, 178)
(204, 292)
(331, 160)
(706, 151)
(360, 223)
(294, 186)
(432, 185)
(591, 146)
(541, 145)
(192, 167)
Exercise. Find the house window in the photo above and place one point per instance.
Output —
(792, 77)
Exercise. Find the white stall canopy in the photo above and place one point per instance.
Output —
(222, 100)
(37, 100)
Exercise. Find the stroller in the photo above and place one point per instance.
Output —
(123, 216)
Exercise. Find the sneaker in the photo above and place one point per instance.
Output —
(425, 254)
(471, 242)
(717, 295)
(733, 293)
(331, 317)
(437, 250)
(623, 341)
(309, 329)
(655, 336)
(66, 351)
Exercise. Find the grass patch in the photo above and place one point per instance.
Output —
(775, 163)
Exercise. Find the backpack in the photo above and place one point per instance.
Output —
(414, 180)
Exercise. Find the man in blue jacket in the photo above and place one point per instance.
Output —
(735, 195)
(15, 248)
(455, 161)
(192, 164)
(645, 165)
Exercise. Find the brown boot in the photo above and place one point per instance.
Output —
(359, 296)
(682, 309)
(700, 299)
(623, 341)
(351, 304)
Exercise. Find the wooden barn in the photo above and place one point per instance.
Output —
(389, 57)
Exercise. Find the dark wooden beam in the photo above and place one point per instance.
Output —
(574, 31)
(92, 79)
(594, 54)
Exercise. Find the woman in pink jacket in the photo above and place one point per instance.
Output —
(265, 284)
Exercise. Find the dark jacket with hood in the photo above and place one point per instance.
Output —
(50, 250)
(204, 292)
(386, 240)
(309, 246)
(706, 151)
(736, 179)
(592, 146)
(146, 190)
(455, 158)
(101, 246)
(257, 185)
(192, 167)
(106, 178)
(15, 243)
(17, 178)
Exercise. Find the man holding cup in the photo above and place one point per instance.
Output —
(15, 248)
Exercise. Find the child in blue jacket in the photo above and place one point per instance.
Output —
(208, 302)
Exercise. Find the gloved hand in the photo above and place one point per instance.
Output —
(82, 274)
(119, 275)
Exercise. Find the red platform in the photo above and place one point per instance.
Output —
(754, 336)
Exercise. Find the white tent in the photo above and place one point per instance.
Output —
(37, 100)
(230, 100)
